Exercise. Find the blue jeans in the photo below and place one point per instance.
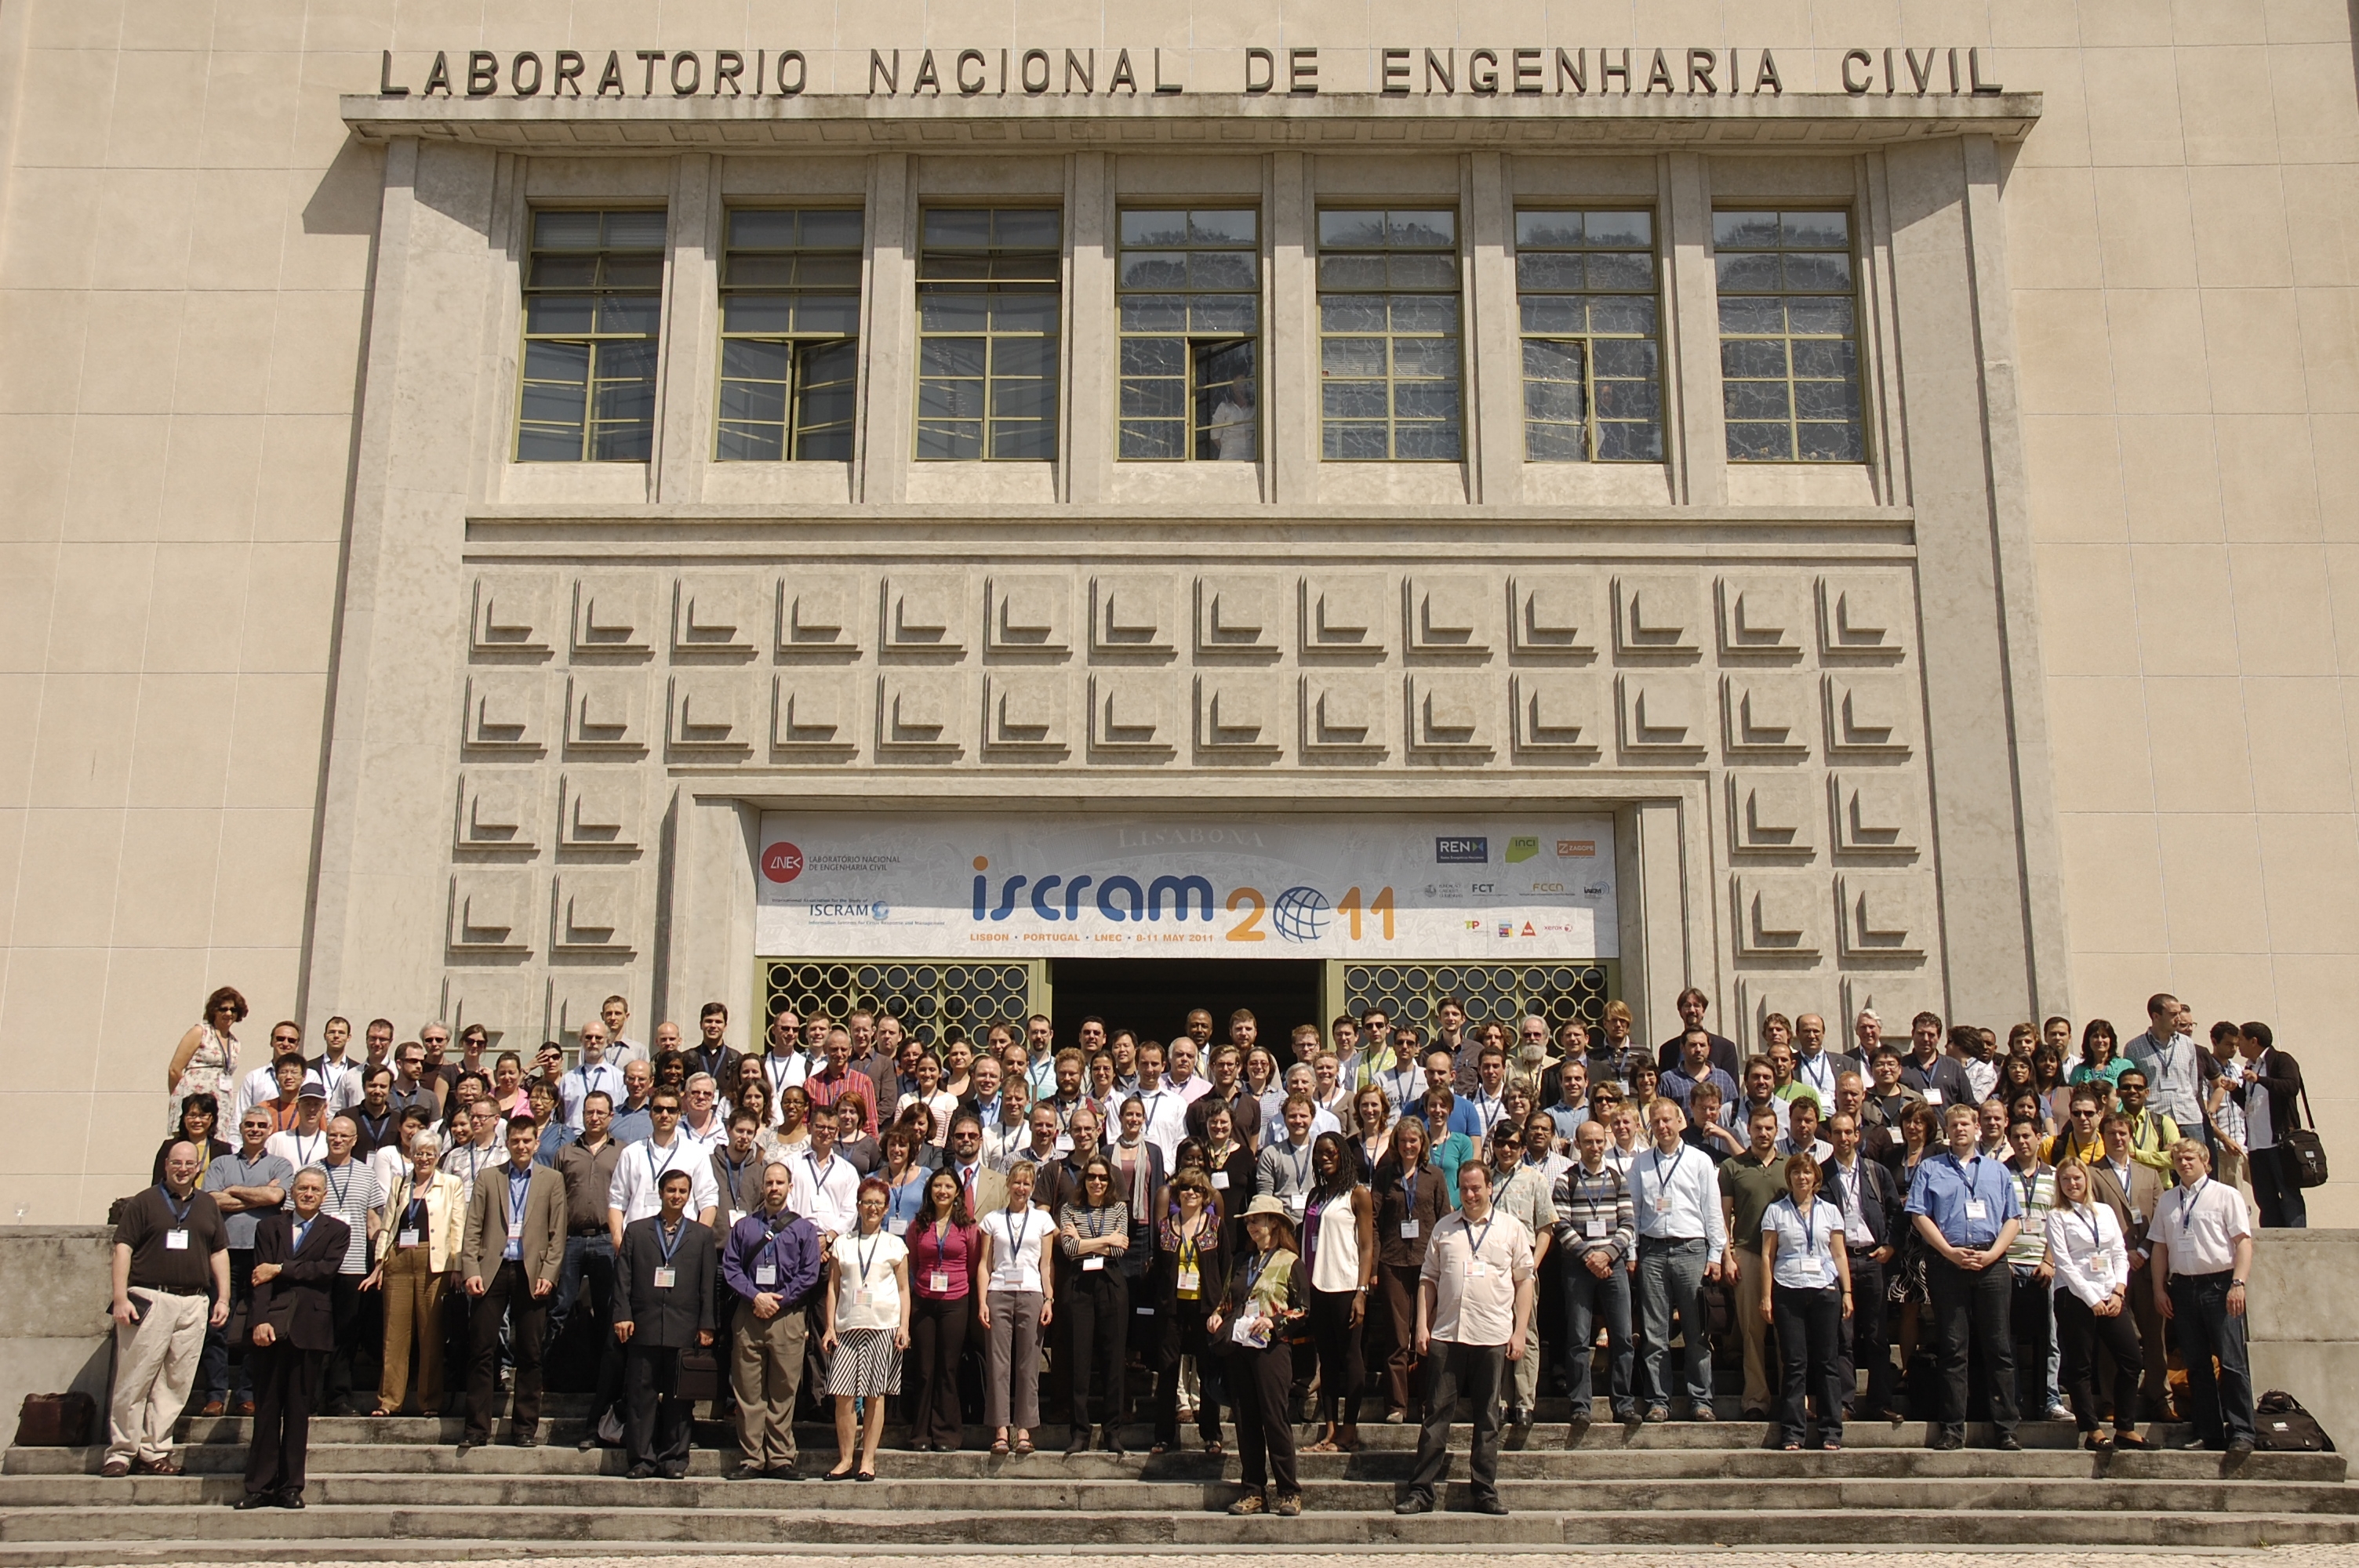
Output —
(1587, 1299)
(1670, 1280)
(584, 1255)
(2205, 1328)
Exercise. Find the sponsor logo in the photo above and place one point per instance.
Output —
(1473, 925)
(1462, 851)
(782, 862)
(1521, 850)
(849, 909)
(1057, 897)
(1527, 930)
(1548, 887)
(1507, 928)
(1576, 848)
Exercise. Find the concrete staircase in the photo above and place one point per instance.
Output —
(394, 1488)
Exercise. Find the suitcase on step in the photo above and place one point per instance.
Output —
(56, 1420)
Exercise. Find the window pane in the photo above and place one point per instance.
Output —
(838, 229)
(1154, 269)
(1788, 362)
(968, 332)
(1164, 440)
(765, 231)
(790, 312)
(1401, 344)
(1154, 228)
(958, 228)
(1189, 285)
(592, 308)
(1236, 226)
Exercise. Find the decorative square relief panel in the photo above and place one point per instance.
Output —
(1238, 613)
(1346, 613)
(1451, 613)
(1884, 914)
(1242, 716)
(1664, 713)
(1559, 713)
(514, 612)
(921, 715)
(1032, 613)
(1658, 615)
(1131, 714)
(1024, 713)
(1767, 715)
(710, 716)
(718, 612)
(504, 999)
(1877, 811)
(614, 614)
(926, 612)
(1870, 714)
(490, 910)
(1346, 715)
(601, 808)
(816, 711)
(1779, 917)
(606, 711)
(819, 612)
(1772, 812)
(507, 711)
(1452, 717)
(1866, 617)
(1135, 613)
(1559, 613)
(594, 910)
(499, 809)
(1764, 614)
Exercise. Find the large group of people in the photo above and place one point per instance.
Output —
(1378, 1221)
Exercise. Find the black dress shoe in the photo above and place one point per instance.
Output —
(1491, 1506)
(2006, 1444)
(746, 1473)
(1412, 1506)
(587, 1443)
(525, 1440)
(291, 1500)
(642, 1473)
(1947, 1443)
(784, 1473)
(255, 1501)
(2239, 1446)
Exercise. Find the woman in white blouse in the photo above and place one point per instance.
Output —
(2093, 1286)
(867, 1329)
(1806, 1293)
(1018, 1301)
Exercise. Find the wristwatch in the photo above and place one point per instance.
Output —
(2236, 1284)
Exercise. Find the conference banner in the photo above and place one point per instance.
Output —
(1419, 888)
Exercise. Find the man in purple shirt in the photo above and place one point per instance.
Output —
(771, 1260)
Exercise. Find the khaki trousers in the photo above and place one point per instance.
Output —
(155, 1368)
(1750, 1327)
(413, 1312)
(766, 1369)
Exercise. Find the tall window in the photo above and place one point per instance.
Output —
(1190, 302)
(988, 319)
(1788, 337)
(1388, 349)
(1592, 376)
(593, 297)
(789, 335)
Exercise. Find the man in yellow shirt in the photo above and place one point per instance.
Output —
(2081, 1138)
(2153, 1135)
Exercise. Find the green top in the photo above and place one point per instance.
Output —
(1751, 1185)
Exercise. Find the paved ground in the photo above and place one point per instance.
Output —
(1672, 1557)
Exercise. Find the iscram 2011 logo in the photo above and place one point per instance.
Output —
(1299, 913)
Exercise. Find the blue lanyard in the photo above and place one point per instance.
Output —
(341, 1191)
(1301, 1166)
(2187, 1204)
(519, 1187)
(1810, 1222)
(667, 1246)
(1016, 1239)
(180, 1214)
(1663, 1183)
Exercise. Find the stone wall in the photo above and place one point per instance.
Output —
(54, 1333)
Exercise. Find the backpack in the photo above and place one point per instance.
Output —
(2281, 1426)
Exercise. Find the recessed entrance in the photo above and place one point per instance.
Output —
(1153, 996)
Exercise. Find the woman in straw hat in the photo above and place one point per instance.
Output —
(1255, 1320)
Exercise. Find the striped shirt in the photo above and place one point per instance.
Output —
(1593, 1211)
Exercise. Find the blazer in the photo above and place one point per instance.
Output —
(446, 1217)
(2281, 1075)
(664, 1318)
(544, 1226)
(298, 1304)
(2144, 1193)
(1881, 1200)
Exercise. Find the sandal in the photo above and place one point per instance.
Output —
(379, 1414)
(1324, 1445)
(999, 1446)
(1022, 1443)
(1213, 1447)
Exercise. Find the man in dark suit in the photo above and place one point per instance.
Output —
(2272, 1096)
(513, 1253)
(296, 1257)
(663, 1305)
(1694, 1004)
(1871, 1199)
(2134, 1191)
(714, 1053)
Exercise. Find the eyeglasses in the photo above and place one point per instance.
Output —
(663, 1110)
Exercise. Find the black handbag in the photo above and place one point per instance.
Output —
(2282, 1426)
(2304, 1149)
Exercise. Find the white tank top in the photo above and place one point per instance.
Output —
(1336, 1269)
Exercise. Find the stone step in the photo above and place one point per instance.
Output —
(1542, 1461)
(182, 1533)
(60, 1507)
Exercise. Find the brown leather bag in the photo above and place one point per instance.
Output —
(56, 1420)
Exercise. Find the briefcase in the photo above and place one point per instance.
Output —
(2305, 1150)
(699, 1375)
(56, 1420)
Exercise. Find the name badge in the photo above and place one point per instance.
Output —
(406, 1238)
(938, 1281)
(1595, 1229)
(1294, 1203)
(1093, 1262)
(2137, 1217)
(1146, 1311)
(1932, 1097)
(1977, 1209)
(1477, 1269)
(1409, 1230)
(1189, 1281)
(766, 1273)
(898, 1226)
(2101, 1267)
(176, 1242)
(1220, 1180)
(860, 1295)
(664, 1278)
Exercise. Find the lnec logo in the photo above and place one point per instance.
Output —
(782, 862)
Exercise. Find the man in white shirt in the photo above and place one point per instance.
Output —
(1181, 1079)
(1682, 1243)
(1474, 1310)
(2168, 1053)
(260, 1087)
(2202, 1243)
(1816, 1068)
(784, 1064)
(638, 1189)
(621, 1049)
(593, 1073)
(704, 1123)
(306, 1142)
(336, 1069)
(827, 1187)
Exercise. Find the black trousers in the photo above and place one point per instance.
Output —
(359, 1317)
(509, 1290)
(2032, 1313)
(1336, 1338)
(286, 1391)
(2205, 1328)
(1180, 1332)
(1971, 1313)
(2079, 1332)
(1262, 1384)
(2280, 1200)
(1809, 1340)
(1476, 1372)
(1866, 1338)
(938, 1338)
(655, 1422)
(1095, 1307)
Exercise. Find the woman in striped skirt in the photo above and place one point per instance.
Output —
(867, 1329)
